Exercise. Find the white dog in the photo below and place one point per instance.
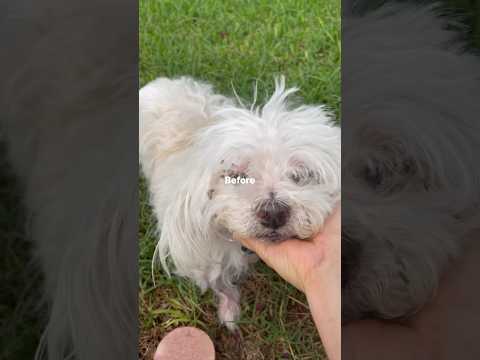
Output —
(284, 163)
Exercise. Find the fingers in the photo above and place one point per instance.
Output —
(254, 245)
(270, 252)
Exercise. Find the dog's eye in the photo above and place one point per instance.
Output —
(302, 176)
(295, 178)
(241, 175)
(237, 175)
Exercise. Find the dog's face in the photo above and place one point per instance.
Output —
(274, 177)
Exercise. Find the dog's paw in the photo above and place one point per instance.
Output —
(229, 309)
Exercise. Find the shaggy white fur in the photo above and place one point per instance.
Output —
(191, 138)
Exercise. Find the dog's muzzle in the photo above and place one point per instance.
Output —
(272, 213)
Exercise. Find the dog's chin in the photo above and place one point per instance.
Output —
(273, 236)
(276, 236)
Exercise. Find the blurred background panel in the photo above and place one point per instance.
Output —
(410, 179)
(68, 179)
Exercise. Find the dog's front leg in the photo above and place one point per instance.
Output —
(228, 305)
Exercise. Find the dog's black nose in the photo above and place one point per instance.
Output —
(273, 213)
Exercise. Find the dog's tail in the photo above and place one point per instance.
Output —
(171, 111)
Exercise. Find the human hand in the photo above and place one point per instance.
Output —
(314, 268)
(301, 262)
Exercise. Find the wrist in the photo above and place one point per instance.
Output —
(312, 281)
(323, 276)
(323, 293)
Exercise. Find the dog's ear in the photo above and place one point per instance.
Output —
(184, 235)
(170, 114)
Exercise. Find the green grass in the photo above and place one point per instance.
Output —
(233, 44)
